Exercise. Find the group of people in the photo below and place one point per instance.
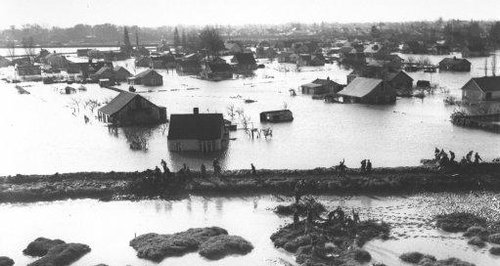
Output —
(366, 166)
(444, 160)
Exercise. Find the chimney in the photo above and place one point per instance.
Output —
(196, 110)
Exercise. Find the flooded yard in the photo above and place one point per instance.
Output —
(321, 134)
(107, 227)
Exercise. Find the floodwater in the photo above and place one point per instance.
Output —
(107, 227)
(40, 135)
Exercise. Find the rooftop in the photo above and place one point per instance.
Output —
(195, 126)
(360, 87)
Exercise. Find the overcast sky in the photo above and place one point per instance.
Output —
(154, 13)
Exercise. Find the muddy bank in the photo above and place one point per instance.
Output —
(132, 185)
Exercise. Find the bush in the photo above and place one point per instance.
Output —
(495, 251)
(476, 241)
(494, 238)
(63, 254)
(6, 261)
(41, 246)
(220, 246)
(476, 231)
(458, 221)
(362, 256)
(415, 257)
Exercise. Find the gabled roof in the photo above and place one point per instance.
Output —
(391, 75)
(488, 84)
(146, 72)
(118, 103)
(219, 67)
(245, 58)
(312, 85)
(324, 82)
(195, 126)
(103, 70)
(360, 87)
(454, 61)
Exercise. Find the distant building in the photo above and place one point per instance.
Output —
(120, 73)
(197, 132)
(233, 47)
(455, 64)
(244, 62)
(368, 90)
(131, 109)
(147, 78)
(82, 52)
(55, 60)
(481, 89)
(216, 71)
(105, 72)
(189, 64)
(28, 70)
(321, 86)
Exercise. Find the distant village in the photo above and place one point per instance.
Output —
(378, 76)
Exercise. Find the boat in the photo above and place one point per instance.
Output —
(276, 116)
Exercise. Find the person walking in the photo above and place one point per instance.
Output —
(254, 171)
(477, 158)
(368, 166)
(363, 166)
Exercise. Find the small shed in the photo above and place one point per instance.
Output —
(132, 109)
(399, 80)
(244, 61)
(321, 86)
(276, 116)
(147, 78)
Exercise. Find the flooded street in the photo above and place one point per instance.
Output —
(107, 227)
(321, 134)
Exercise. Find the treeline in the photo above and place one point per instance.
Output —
(475, 34)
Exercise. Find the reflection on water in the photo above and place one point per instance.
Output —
(320, 136)
(107, 227)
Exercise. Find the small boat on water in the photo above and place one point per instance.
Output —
(276, 116)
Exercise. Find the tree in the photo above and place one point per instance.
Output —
(177, 40)
(11, 46)
(495, 33)
(29, 47)
(211, 41)
(184, 40)
(126, 41)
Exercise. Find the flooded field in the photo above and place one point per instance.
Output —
(107, 227)
(47, 138)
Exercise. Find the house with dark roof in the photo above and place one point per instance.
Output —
(189, 64)
(368, 90)
(399, 80)
(455, 64)
(131, 109)
(481, 89)
(197, 132)
(104, 72)
(321, 86)
(244, 62)
(147, 78)
(216, 70)
(120, 73)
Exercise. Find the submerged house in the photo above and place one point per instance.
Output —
(4, 62)
(147, 78)
(132, 109)
(244, 62)
(455, 64)
(368, 90)
(197, 132)
(276, 116)
(189, 64)
(28, 70)
(399, 80)
(216, 71)
(120, 73)
(321, 86)
(104, 73)
(481, 89)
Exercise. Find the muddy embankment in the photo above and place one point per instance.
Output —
(130, 185)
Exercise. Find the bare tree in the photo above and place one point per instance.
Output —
(494, 65)
(231, 111)
(29, 47)
(11, 47)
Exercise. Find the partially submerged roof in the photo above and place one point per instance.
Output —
(454, 61)
(195, 126)
(118, 103)
(312, 85)
(220, 67)
(488, 84)
(245, 58)
(391, 75)
(146, 72)
(360, 87)
(324, 82)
